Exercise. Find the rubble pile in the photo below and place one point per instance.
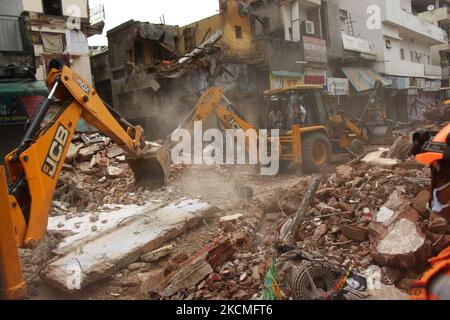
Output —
(365, 215)
(365, 218)
(95, 174)
(437, 113)
(231, 267)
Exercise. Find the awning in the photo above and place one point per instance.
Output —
(287, 74)
(363, 79)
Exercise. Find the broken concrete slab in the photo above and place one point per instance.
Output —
(114, 151)
(87, 152)
(233, 219)
(404, 246)
(395, 200)
(384, 215)
(151, 281)
(376, 159)
(79, 226)
(73, 151)
(400, 149)
(116, 249)
(114, 172)
(158, 254)
(387, 293)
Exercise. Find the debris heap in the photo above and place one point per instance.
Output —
(95, 174)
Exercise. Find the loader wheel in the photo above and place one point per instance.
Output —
(316, 152)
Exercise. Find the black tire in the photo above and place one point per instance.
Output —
(358, 147)
(316, 152)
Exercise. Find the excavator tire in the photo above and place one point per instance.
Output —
(316, 152)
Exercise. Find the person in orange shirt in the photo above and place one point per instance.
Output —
(433, 149)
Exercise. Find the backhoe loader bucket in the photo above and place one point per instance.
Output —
(381, 134)
(153, 170)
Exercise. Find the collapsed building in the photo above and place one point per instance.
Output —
(157, 70)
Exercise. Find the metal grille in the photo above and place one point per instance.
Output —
(10, 34)
(10, 137)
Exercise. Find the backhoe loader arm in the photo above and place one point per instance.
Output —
(214, 102)
(34, 168)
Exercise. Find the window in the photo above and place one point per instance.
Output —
(388, 44)
(412, 56)
(52, 7)
(429, 59)
(238, 31)
(402, 54)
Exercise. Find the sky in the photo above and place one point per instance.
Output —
(176, 12)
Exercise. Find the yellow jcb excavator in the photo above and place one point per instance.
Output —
(307, 146)
(34, 167)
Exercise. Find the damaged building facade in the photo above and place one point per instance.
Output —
(60, 31)
(156, 70)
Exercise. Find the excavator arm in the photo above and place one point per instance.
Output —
(365, 128)
(34, 167)
(213, 101)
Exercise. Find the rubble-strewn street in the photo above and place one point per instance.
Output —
(366, 215)
(237, 150)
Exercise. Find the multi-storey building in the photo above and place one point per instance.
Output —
(60, 30)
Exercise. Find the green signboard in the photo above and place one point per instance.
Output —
(19, 100)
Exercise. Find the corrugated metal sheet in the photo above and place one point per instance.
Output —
(10, 35)
(363, 79)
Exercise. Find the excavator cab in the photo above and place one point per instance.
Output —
(298, 105)
(301, 115)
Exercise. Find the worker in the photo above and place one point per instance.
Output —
(301, 113)
(275, 119)
(435, 152)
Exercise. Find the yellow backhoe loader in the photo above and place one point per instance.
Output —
(34, 167)
(307, 146)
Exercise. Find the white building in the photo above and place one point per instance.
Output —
(402, 42)
(59, 30)
(438, 13)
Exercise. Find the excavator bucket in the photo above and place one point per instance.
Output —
(381, 134)
(153, 169)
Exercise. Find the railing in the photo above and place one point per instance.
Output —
(395, 15)
(97, 14)
(11, 33)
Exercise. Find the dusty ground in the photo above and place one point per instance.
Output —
(215, 185)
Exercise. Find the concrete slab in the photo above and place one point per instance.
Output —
(114, 249)
(376, 159)
(109, 217)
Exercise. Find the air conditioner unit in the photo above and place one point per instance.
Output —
(309, 27)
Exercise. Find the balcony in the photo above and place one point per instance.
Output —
(411, 25)
(433, 71)
(280, 54)
(402, 69)
(308, 4)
